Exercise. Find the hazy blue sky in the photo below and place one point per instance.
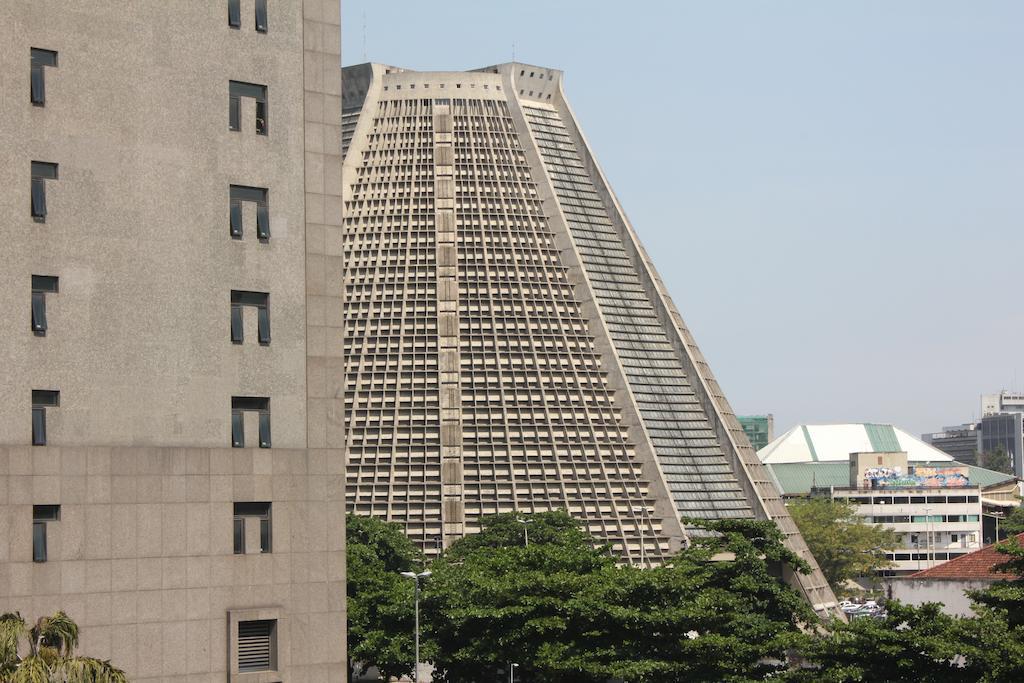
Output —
(832, 191)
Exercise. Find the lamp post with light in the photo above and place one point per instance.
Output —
(526, 532)
(416, 601)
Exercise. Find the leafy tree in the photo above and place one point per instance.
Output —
(993, 649)
(923, 644)
(997, 460)
(695, 618)
(912, 644)
(844, 545)
(564, 611)
(1014, 522)
(380, 600)
(51, 644)
(492, 601)
(1006, 597)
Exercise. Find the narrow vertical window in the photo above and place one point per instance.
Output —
(258, 300)
(41, 516)
(252, 513)
(236, 321)
(261, 16)
(249, 404)
(262, 220)
(264, 428)
(263, 322)
(41, 285)
(38, 541)
(236, 91)
(41, 400)
(39, 60)
(236, 218)
(237, 429)
(238, 194)
(234, 13)
(41, 172)
(239, 533)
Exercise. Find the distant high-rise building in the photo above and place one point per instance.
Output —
(1004, 431)
(960, 441)
(1002, 426)
(760, 429)
(1003, 402)
(170, 299)
(508, 343)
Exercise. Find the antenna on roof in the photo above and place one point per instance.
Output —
(513, 52)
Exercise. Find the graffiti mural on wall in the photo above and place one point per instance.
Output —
(917, 477)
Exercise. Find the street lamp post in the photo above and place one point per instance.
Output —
(526, 533)
(512, 672)
(416, 601)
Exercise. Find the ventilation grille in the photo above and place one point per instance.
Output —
(255, 641)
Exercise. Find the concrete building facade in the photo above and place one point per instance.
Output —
(960, 442)
(760, 429)
(509, 345)
(934, 524)
(1004, 431)
(171, 449)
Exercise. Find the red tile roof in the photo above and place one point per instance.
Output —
(977, 565)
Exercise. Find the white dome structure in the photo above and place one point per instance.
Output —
(835, 442)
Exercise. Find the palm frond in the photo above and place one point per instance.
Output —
(58, 631)
(32, 669)
(89, 670)
(12, 629)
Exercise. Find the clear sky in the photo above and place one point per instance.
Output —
(832, 191)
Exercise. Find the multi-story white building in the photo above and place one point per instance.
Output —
(935, 524)
(932, 501)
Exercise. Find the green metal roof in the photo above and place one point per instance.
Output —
(798, 478)
(883, 438)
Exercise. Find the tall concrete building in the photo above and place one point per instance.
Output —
(760, 429)
(171, 464)
(508, 343)
(1002, 426)
(959, 441)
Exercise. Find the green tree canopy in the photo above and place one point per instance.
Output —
(380, 600)
(911, 644)
(51, 655)
(844, 545)
(492, 601)
(1014, 522)
(1006, 597)
(924, 644)
(997, 461)
(564, 611)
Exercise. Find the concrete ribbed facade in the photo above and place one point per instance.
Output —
(192, 223)
(509, 345)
